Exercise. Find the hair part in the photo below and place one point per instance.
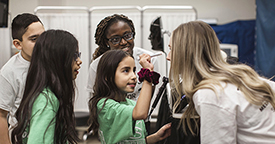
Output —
(196, 59)
(101, 32)
(21, 23)
(51, 68)
(105, 86)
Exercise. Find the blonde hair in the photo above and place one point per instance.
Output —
(196, 63)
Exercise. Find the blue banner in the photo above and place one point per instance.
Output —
(265, 41)
(241, 33)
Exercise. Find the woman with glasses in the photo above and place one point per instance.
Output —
(116, 32)
(45, 114)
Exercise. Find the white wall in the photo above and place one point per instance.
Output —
(224, 10)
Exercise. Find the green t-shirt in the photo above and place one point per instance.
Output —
(42, 124)
(116, 124)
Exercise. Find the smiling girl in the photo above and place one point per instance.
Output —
(115, 117)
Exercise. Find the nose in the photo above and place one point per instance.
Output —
(79, 61)
(123, 41)
(169, 56)
(134, 76)
(150, 36)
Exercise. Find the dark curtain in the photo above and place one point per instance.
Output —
(241, 33)
(265, 33)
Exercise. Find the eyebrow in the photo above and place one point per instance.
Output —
(128, 68)
(33, 36)
(122, 35)
(125, 68)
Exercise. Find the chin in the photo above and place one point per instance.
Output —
(130, 91)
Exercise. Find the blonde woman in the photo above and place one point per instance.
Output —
(234, 103)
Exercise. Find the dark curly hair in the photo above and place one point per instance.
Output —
(102, 27)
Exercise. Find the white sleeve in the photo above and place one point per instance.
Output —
(217, 125)
(7, 94)
(92, 75)
(156, 65)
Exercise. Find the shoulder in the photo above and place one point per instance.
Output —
(226, 92)
(94, 63)
(204, 96)
(15, 65)
(130, 102)
(13, 74)
(46, 99)
(227, 97)
(112, 105)
(106, 103)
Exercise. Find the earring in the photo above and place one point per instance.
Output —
(108, 46)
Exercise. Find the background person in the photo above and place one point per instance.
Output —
(117, 32)
(234, 103)
(116, 118)
(46, 114)
(25, 29)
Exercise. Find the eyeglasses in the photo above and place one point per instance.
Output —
(77, 55)
(116, 40)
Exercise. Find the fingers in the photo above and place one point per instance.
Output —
(144, 57)
(166, 131)
(167, 127)
(145, 61)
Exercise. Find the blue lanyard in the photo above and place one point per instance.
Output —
(182, 97)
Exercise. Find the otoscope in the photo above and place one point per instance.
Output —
(165, 80)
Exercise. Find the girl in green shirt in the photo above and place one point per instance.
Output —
(45, 114)
(116, 118)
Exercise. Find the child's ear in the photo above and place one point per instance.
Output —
(17, 44)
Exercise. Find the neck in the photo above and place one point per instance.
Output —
(121, 96)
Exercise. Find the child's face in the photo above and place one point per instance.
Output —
(76, 65)
(120, 29)
(125, 77)
(29, 38)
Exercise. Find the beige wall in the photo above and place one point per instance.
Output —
(224, 11)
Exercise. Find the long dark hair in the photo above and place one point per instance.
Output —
(51, 67)
(105, 86)
(103, 26)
